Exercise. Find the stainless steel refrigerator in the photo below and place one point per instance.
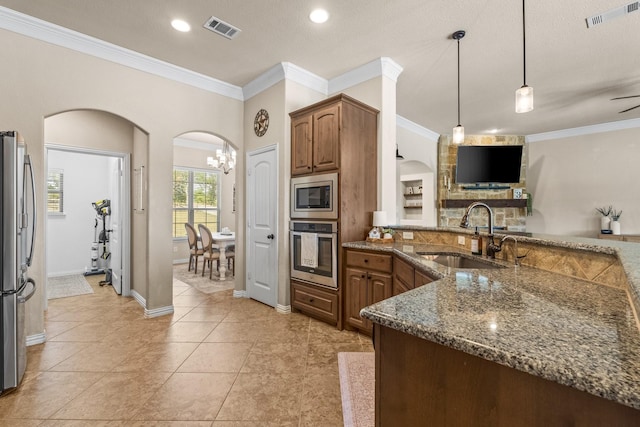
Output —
(17, 234)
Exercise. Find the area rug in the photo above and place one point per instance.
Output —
(203, 284)
(358, 388)
(67, 286)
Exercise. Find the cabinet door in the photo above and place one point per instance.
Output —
(326, 139)
(422, 279)
(301, 145)
(356, 296)
(399, 286)
(380, 287)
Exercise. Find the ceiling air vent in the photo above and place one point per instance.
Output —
(612, 14)
(220, 27)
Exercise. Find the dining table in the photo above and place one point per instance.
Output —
(222, 241)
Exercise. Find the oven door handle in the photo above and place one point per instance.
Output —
(323, 235)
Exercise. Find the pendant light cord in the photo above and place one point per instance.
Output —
(524, 49)
(458, 40)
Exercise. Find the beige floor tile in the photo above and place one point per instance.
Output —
(116, 396)
(236, 332)
(89, 332)
(209, 313)
(43, 357)
(323, 332)
(52, 328)
(323, 357)
(45, 394)
(246, 310)
(188, 300)
(281, 423)
(188, 396)
(263, 397)
(158, 357)
(20, 423)
(167, 423)
(276, 358)
(321, 401)
(187, 332)
(217, 357)
(81, 423)
(138, 331)
(98, 357)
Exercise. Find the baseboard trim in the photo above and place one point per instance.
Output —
(240, 294)
(157, 312)
(284, 309)
(36, 339)
(136, 296)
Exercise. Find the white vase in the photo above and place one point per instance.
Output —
(604, 223)
(615, 227)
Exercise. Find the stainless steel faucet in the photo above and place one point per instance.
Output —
(492, 248)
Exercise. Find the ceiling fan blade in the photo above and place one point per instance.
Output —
(629, 109)
(626, 97)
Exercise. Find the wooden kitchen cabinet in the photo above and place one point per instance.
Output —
(367, 280)
(329, 135)
(406, 277)
(315, 301)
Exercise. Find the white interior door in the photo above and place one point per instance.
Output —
(115, 245)
(262, 199)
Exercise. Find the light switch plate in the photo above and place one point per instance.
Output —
(407, 235)
(461, 240)
(407, 248)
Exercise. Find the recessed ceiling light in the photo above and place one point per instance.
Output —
(319, 16)
(181, 25)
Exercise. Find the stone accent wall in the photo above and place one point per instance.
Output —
(504, 217)
(600, 268)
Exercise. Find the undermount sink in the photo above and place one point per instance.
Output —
(454, 260)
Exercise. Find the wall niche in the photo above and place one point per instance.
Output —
(453, 198)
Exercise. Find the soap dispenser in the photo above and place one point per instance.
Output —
(476, 244)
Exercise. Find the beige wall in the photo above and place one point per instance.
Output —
(46, 79)
(570, 177)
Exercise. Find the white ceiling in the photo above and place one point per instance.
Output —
(575, 71)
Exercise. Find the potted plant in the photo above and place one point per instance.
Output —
(615, 221)
(388, 233)
(605, 220)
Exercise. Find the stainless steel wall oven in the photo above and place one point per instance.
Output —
(314, 252)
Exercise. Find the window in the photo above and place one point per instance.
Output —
(195, 199)
(55, 191)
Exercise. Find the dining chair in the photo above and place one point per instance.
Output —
(210, 253)
(230, 254)
(195, 250)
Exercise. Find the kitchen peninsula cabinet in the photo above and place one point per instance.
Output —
(367, 281)
(325, 135)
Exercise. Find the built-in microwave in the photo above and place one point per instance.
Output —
(315, 196)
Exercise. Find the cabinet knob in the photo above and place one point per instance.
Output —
(366, 260)
(308, 167)
(362, 276)
(311, 300)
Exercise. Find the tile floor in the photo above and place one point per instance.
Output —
(217, 361)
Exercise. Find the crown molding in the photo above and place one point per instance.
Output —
(584, 130)
(417, 129)
(54, 34)
(385, 67)
(282, 71)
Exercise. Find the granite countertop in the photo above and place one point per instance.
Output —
(563, 329)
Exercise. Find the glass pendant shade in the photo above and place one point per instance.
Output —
(524, 99)
(458, 134)
(225, 159)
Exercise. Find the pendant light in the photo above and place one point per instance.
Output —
(458, 131)
(524, 95)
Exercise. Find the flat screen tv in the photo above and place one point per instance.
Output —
(488, 164)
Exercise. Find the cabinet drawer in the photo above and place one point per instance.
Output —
(314, 301)
(370, 261)
(404, 272)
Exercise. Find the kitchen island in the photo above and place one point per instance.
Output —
(507, 346)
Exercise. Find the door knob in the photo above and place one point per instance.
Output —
(270, 236)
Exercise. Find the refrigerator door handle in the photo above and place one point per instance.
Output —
(27, 162)
(25, 298)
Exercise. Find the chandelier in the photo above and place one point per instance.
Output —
(225, 159)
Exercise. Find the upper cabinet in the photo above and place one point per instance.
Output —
(322, 133)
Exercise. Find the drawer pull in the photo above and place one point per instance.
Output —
(311, 300)
(366, 260)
